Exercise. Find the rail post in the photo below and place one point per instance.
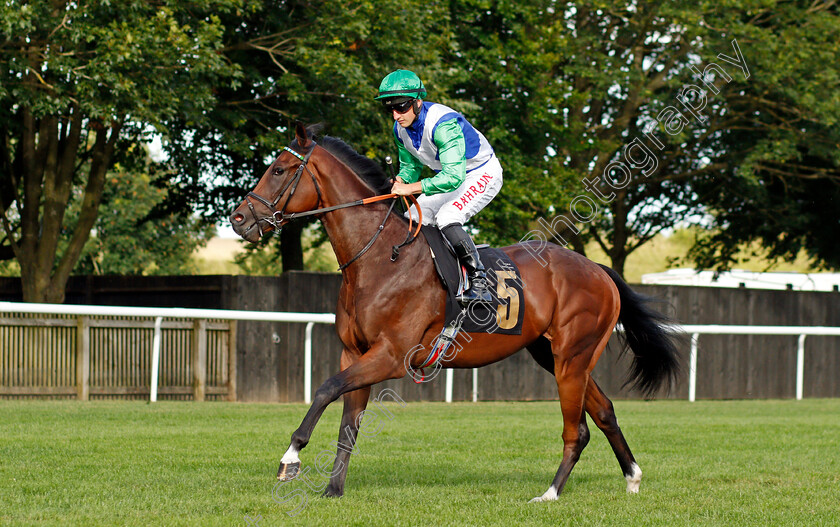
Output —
(692, 368)
(800, 367)
(153, 382)
(199, 359)
(475, 385)
(83, 358)
(307, 364)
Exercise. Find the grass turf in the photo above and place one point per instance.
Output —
(109, 463)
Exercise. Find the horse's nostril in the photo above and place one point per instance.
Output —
(238, 218)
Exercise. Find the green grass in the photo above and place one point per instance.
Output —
(728, 463)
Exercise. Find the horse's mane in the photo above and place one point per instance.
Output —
(369, 170)
(366, 168)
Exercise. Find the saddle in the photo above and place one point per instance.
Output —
(504, 316)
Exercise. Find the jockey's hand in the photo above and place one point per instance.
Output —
(405, 189)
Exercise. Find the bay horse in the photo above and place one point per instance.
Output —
(385, 308)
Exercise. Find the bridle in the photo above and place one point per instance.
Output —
(278, 218)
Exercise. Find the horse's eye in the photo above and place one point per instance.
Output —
(277, 171)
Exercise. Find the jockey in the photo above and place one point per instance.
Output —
(467, 173)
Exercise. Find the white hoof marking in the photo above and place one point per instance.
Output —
(291, 456)
(634, 480)
(550, 495)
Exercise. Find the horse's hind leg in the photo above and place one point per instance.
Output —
(600, 408)
(572, 388)
(540, 350)
(572, 364)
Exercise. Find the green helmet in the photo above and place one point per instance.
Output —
(401, 83)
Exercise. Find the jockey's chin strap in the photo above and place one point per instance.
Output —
(278, 218)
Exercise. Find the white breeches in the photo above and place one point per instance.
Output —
(479, 188)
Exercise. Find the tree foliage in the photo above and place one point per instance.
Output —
(567, 88)
(781, 184)
(723, 101)
(317, 61)
(613, 121)
(79, 83)
(129, 236)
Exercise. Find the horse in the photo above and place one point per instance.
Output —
(385, 308)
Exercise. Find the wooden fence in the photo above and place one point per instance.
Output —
(268, 360)
(728, 366)
(110, 357)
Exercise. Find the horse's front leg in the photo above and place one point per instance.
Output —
(377, 365)
(355, 403)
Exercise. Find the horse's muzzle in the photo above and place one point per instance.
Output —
(245, 226)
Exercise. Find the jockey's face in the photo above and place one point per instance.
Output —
(405, 116)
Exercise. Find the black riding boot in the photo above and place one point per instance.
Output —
(468, 256)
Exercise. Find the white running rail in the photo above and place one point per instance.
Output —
(802, 331)
(159, 313)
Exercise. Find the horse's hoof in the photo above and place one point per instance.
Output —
(539, 499)
(288, 471)
(634, 480)
(550, 495)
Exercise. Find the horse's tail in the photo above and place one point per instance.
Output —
(655, 353)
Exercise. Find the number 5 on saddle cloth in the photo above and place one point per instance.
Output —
(503, 316)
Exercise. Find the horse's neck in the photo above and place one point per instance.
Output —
(351, 229)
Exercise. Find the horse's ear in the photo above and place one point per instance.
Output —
(301, 135)
(314, 130)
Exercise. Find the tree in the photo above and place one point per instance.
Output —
(79, 83)
(579, 82)
(130, 237)
(612, 118)
(783, 186)
(315, 62)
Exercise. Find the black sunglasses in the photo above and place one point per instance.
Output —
(399, 107)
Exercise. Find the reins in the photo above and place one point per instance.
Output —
(278, 217)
